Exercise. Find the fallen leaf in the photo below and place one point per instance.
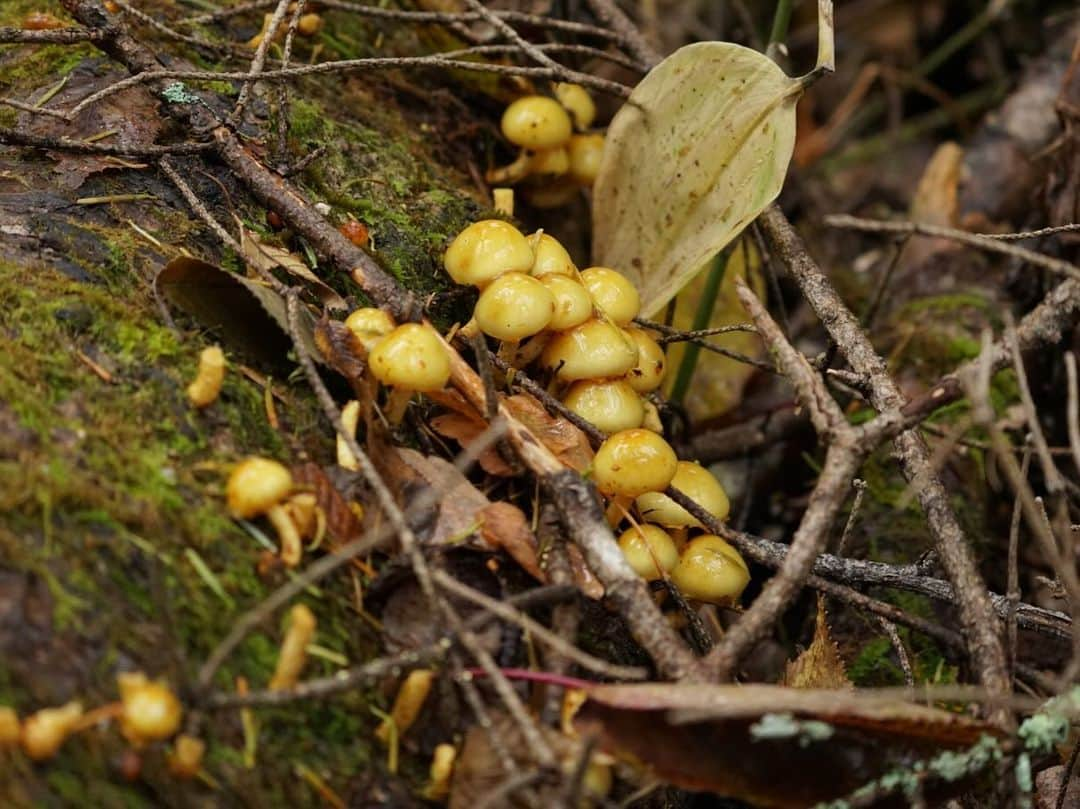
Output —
(504, 526)
(248, 314)
(564, 440)
(695, 154)
(268, 257)
(820, 665)
(734, 740)
(338, 347)
(342, 526)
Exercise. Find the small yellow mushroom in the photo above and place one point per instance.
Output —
(309, 25)
(611, 405)
(485, 250)
(613, 292)
(151, 711)
(350, 418)
(650, 550)
(514, 306)
(652, 418)
(207, 385)
(697, 483)
(647, 375)
(573, 304)
(586, 153)
(536, 122)
(185, 759)
(549, 256)
(711, 570)
(633, 462)
(407, 704)
(258, 486)
(294, 648)
(9, 727)
(442, 768)
(578, 103)
(596, 349)
(45, 731)
(369, 325)
(410, 358)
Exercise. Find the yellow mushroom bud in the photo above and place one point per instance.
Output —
(594, 350)
(633, 462)
(485, 250)
(9, 727)
(536, 122)
(611, 405)
(258, 486)
(411, 357)
(697, 483)
(44, 732)
(151, 711)
(578, 103)
(650, 550)
(350, 418)
(185, 759)
(207, 385)
(442, 768)
(585, 153)
(294, 648)
(407, 704)
(514, 306)
(652, 418)
(647, 375)
(612, 292)
(711, 570)
(369, 325)
(309, 24)
(573, 304)
(549, 256)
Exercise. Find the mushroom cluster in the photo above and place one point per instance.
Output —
(557, 152)
(577, 328)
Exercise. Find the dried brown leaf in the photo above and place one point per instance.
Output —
(268, 257)
(820, 665)
(466, 429)
(564, 440)
(342, 526)
(505, 526)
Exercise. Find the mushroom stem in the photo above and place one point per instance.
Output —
(470, 329)
(512, 172)
(396, 403)
(291, 546)
(532, 349)
(508, 350)
(679, 536)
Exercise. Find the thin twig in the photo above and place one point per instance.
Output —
(901, 651)
(1072, 411)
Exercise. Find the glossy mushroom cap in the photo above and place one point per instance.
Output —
(648, 373)
(611, 405)
(573, 304)
(150, 709)
(536, 122)
(650, 550)
(633, 462)
(578, 103)
(549, 256)
(710, 570)
(44, 732)
(514, 306)
(613, 292)
(369, 325)
(585, 152)
(697, 483)
(255, 486)
(594, 350)
(485, 250)
(412, 357)
(550, 162)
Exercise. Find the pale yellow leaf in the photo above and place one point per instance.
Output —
(695, 154)
(268, 257)
(820, 666)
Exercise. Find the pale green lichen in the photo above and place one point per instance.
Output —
(786, 726)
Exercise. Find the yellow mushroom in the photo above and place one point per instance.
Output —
(613, 293)
(697, 483)
(369, 325)
(259, 486)
(585, 153)
(536, 122)
(185, 759)
(710, 570)
(410, 358)
(578, 103)
(206, 387)
(573, 305)
(611, 405)
(650, 550)
(43, 732)
(485, 250)
(633, 462)
(407, 704)
(648, 373)
(293, 654)
(549, 256)
(596, 349)
(150, 712)
(9, 727)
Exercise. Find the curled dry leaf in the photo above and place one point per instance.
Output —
(503, 525)
(820, 665)
(340, 350)
(733, 740)
(696, 153)
(342, 526)
(249, 315)
(268, 257)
